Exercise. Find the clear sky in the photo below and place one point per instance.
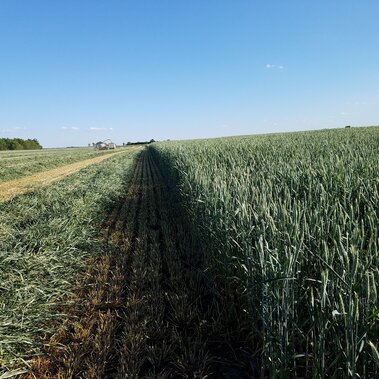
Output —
(74, 72)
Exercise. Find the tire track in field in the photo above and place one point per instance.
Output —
(12, 188)
(144, 310)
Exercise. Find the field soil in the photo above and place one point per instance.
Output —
(16, 187)
(145, 308)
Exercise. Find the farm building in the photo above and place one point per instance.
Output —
(105, 145)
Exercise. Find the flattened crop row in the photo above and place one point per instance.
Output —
(47, 240)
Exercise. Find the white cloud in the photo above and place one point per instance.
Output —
(279, 67)
(100, 129)
(12, 130)
(69, 128)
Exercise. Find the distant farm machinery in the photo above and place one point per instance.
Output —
(105, 145)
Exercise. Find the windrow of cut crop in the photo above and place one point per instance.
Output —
(289, 226)
(47, 238)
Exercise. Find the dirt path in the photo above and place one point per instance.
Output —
(12, 188)
(145, 309)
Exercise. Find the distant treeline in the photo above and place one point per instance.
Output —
(139, 142)
(19, 144)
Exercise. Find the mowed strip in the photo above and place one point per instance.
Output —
(15, 187)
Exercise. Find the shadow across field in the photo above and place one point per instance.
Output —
(146, 308)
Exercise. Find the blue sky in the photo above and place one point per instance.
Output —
(74, 72)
